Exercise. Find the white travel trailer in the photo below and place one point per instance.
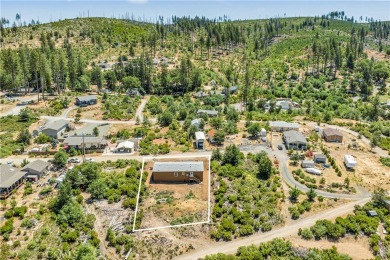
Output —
(349, 161)
(313, 171)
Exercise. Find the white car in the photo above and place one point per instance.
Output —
(74, 160)
(89, 160)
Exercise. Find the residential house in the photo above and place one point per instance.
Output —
(125, 147)
(86, 100)
(210, 113)
(54, 129)
(36, 169)
(320, 158)
(281, 126)
(89, 142)
(178, 171)
(197, 122)
(295, 140)
(200, 94)
(215, 92)
(232, 90)
(10, 179)
(332, 135)
(133, 92)
(387, 204)
(200, 139)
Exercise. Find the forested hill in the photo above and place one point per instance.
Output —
(253, 53)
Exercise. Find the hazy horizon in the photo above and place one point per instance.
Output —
(47, 11)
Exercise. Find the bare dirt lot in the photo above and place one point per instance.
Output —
(175, 203)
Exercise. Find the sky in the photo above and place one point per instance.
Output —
(149, 10)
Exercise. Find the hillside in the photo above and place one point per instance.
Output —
(160, 84)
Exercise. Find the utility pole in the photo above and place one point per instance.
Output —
(83, 149)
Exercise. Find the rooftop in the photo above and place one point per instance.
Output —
(9, 175)
(56, 125)
(78, 140)
(293, 136)
(178, 166)
(283, 124)
(200, 136)
(209, 112)
(37, 165)
(87, 98)
(125, 144)
(331, 131)
(196, 121)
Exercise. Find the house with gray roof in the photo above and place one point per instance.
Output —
(11, 178)
(281, 126)
(36, 169)
(295, 140)
(84, 101)
(200, 94)
(179, 172)
(210, 113)
(197, 122)
(54, 129)
(89, 142)
(232, 90)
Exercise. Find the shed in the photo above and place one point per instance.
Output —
(11, 178)
(332, 135)
(125, 147)
(178, 171)
(372, 213)
(200, 138)
(36, 169)
(307, 164)
(86, 100)
(295, 140)
(320, 158)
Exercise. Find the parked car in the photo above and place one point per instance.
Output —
(280, 147)
(74, 160)
(89, 160)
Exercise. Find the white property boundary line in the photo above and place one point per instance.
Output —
(172, 226)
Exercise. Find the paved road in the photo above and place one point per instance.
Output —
(292, 229)
(280, 155)
(16, 110)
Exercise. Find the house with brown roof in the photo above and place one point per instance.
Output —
(210, 135)
(332, 135)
